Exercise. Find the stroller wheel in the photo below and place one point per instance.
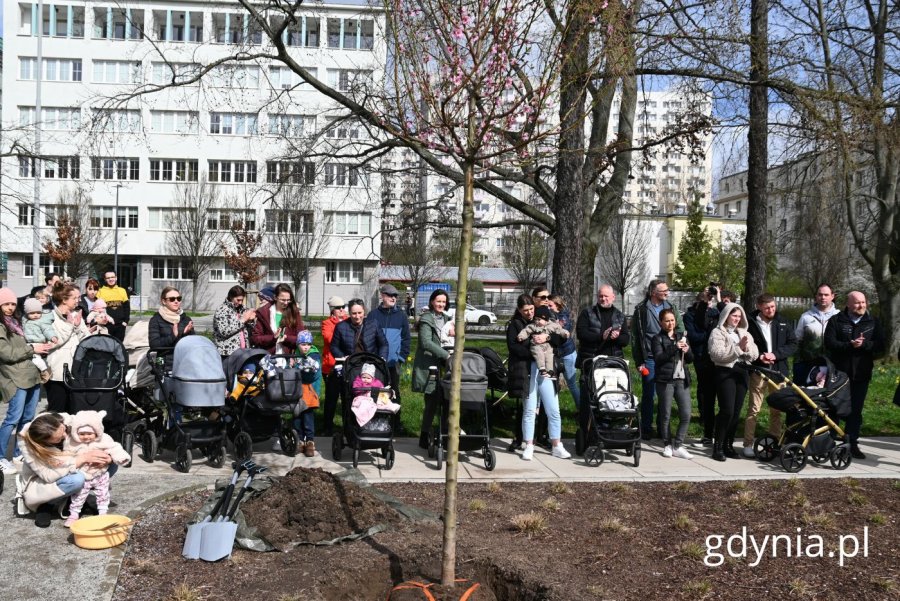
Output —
(580, 443)
(490, 460)
(336, 445)
(148, 446)
(819, 458)
(183, 458)
(765, 448)
(793, 457)
(439, 454)
(243, 447)
(355, 457)
(841, 457)
(215, 455)
(128, 444)
(431, 448)
(637, 454)
(288, 439)
(593, 456)
(389, 457)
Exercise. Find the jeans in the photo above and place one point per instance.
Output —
(731, 388)
(682, 396)
(19, 411)
(548, 399)
(571, 379)
(305, 425)
(647, 391)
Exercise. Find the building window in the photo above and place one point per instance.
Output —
(346, 80)
(282, 221)
(55, 69)
(350, 224)
(235, 76)
(282, 78)
(171, 269)
(52, 118)
(59, 167)
(239, 172)
(276, 273)
(102, 217)
(161, 218)
(738, 205)
(344, 272)
(342, 129)
(290, 173)
(341, 174)
(225, 219)
(46, 265)
(292, 126)
(233, 124)
(116, 71)
(26, 215)
(173, 170)
(222, 273)
(174, 122)
(174, 73)
(118, 121)
(115, 168)
(27, 166)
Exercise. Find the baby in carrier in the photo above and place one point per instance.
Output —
(98, 318)
(364, 406)
(87, 433)
(542, 352)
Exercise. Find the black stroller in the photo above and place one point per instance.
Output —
(377, 432)
(614, 421)
(264, 403)
(811, 431)
(95, 383)
(475, 431)
(193, 393)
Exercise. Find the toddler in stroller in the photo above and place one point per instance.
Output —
(364, 406)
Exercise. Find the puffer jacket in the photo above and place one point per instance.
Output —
(428, 353)
(328, 326)
(345, 334)
(592, 322)
(855, 362)
(394, 323)
(16, 368)
(63, 353)
(665, 354)
(723, 351)
(519, 365)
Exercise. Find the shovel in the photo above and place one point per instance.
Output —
(191, 549)
(218, 537)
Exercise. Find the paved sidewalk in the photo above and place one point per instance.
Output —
(45, 565)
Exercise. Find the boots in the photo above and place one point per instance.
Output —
(717, 453)
(728, 449)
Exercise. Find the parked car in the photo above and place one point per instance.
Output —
(473, 315)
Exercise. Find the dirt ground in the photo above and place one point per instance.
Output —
(553, 541)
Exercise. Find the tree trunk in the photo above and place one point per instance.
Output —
(757, 157)
(889, 316)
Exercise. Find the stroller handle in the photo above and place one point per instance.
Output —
(772, 374)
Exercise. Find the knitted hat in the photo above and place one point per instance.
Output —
(7, 296)
(336, 301)
(99, 304)
(267, 293)
(304, 337)
(88, 419)
(368, 368)
(543, 313)
(33, 305)
(249, 367)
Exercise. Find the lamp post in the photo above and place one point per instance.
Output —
(116, 233)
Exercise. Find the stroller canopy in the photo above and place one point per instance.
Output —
(238, 359)
(99, 362)
(197, 359)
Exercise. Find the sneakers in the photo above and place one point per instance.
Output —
(561, 452)
(301, 447)
(856, 453)
(276, 444)
(749, 452)
(682, 453)
(7, 467)
(528, 453)
(310, 449)
(70, 520)
(667, 452)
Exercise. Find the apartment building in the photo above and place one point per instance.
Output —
(113, 129)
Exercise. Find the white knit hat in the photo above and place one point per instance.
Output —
(368, 368)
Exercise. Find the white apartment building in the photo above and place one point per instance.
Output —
(241, 129)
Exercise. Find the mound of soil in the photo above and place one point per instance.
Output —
(313, 506)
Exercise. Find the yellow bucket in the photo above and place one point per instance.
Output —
(101, 531)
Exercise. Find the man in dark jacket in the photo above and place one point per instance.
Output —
(644, 326)
(395, 325)
(776, 341)
(358, 334)
(699, 320)
(852, 339)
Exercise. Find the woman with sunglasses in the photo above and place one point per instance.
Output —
(170, 323)
(278, 324)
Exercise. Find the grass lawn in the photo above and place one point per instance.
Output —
(880, 418)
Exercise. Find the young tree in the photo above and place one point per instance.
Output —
(525, 255)
(696, 253)
(189, 235)
(625, 254)
(76, 242)
(240, 247)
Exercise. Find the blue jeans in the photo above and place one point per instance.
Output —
(306, 425)
(19, 412)
(648, 391)
(571, 380)
(550, 402)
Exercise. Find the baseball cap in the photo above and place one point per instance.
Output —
(335, 302)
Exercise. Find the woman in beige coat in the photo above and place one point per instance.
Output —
(729, 345)
(70, 330)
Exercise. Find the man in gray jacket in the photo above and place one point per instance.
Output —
(810, 332)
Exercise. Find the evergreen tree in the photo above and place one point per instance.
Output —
(696, 262)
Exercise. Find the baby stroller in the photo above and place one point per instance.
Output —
(378, 432)
(811, 430)
(264, 403)
(95, 383)
(614, 421)
(193, 394)
(475, 431)
(142, 401)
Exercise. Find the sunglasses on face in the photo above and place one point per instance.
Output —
(543, 296)
(173, 299)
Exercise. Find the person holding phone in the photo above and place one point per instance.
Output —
(278, 324)
(853, 338)
(672, 354)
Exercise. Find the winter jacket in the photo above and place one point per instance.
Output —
(264, 337)
(428, 353)
(160, 335)
(642, 335)
(103, 442)
(855, 362)
(310, 366)
(227, 328)
(565, 320)
(725, 352)
(39, 330)
(394, 322)
(118, 304)
(328, 327)
(16, 368)
(810, 333)
(665, 354)
(519, 365)
(784, 344)
(592, 322)
(699, 321)
(39, 480)
(368, 333)
(68, 336)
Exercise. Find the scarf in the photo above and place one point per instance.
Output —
(173, 317)
(13, 325)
